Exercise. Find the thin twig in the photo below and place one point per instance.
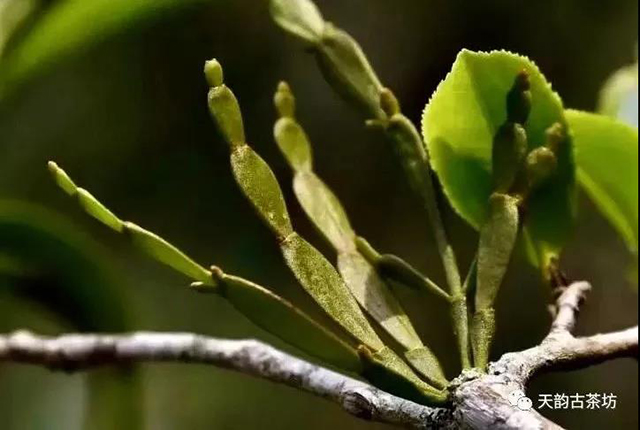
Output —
(567, 308)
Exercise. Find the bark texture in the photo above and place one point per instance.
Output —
(478, 400)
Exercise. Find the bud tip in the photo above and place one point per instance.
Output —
(284, 100)
(283, 87)
(389, 102)
(213, 73)
(523, 82)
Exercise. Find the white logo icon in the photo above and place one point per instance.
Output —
(518, 399)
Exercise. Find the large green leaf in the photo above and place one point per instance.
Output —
(72, 26)
(607, 161)
(459, 124)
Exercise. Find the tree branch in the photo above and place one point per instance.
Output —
(560, 349)
(565, 352)
(567, 307)
(478, 401)
(74, 352)
(473, 392)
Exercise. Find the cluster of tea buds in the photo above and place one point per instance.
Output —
(264, 308)
(516, 170)
(312, 270)
(516, 175)
(348, 71)
(328, 215)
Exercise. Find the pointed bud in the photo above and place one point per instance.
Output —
(555, 136)
(62, 179)
(541, 163)
(213, 73)
(508, 152)
(223, 105)
(389, 102)
(519, 99)
(284, 101)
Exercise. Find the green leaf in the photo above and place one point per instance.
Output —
(293, 143)
(322, 282)
(497, 239)
(299, 17)
(71, 27)
(328, 215)
(316, 275)
(377, 299)
(155, 246)
(325, 211)
(260, 186)
(459, 124)
(347, 70)
(386, 370)
(279, 317)
(393, 268)
(607, 160)
(265, 309)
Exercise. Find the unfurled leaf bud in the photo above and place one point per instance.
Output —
(284, 101)
(223, 106)
(166, 253)
(150, 243)
(293, 143)
(260, 186)
(62, 179)
(507, 155)
(300, 18)
(281, 318)
(389, 102)
(497, 238)
(519, 99)
(325, 210)
(347, 70)
(321, 280)
(97, 210)
(289, 135)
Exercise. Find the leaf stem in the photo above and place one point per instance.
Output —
(415, 161)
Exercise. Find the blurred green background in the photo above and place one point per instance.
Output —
(122, 107)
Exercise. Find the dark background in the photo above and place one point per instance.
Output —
(127, 118)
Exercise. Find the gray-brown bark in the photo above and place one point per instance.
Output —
(478, 400)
